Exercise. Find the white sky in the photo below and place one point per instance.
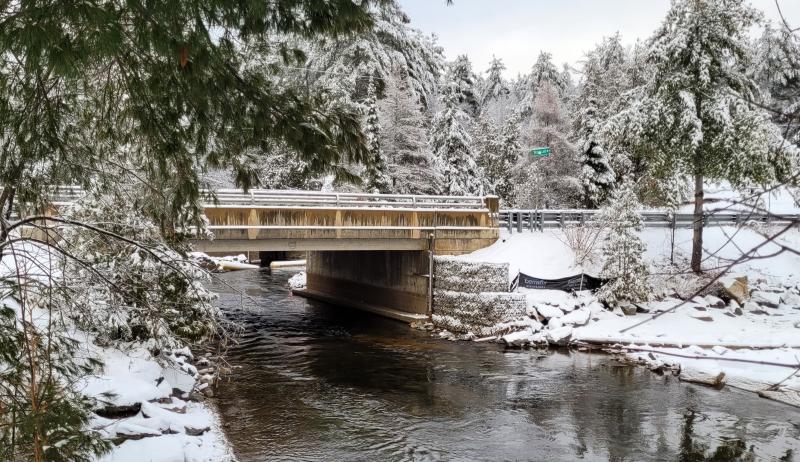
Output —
(517, 30)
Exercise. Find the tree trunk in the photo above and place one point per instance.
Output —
(697, 237)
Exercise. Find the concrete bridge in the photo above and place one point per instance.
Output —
(368, 251)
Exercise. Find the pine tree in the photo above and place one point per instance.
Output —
(695, 117)
(163, 94)
(495, 86)
(391, 43)
(777, 72)
(556, 178)
(497, 151)
(604, 80)
(404, 139)
(623, 249)
(452, 147)
(375, 174)
(543, 70)
(461, 82)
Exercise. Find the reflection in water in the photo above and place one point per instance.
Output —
(315, 382)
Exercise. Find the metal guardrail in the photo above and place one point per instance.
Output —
(538, 220)
(313, 199)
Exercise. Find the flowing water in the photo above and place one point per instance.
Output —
(317, 382)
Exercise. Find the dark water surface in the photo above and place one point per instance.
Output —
(315, 382)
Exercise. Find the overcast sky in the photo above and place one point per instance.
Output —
(517, 30)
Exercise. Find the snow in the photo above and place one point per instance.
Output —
(298, 281)
(766, 330)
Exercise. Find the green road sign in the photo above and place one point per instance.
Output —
(540, 152)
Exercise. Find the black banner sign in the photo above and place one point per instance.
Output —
(568, 284)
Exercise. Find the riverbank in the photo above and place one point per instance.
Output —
(147, 400)
(750, 341)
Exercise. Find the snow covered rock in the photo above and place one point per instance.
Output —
(735, 288)
(710, 375)
(578, 317)
(714, 302)
(520, 339)
(298, 281)
(791, 299)
(548, 311)
(768, 299)
(559, 336)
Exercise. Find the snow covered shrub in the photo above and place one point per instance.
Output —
(41, 416)
(622, 250)
(583, 239)
(137, 287)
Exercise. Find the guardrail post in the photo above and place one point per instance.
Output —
(532, 223)
(509, 216)
(519, 221)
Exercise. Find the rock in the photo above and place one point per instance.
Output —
(768, 299)
(714, 302)
(735, 288)
(628, 309)
(192, 431)
(559, 336)
(699, 308)
(548, 311)
(714, 378)
(578, 317)
(751, 306)
(208, 392)
(720, 350)
(733, 304)
(554, 323)
(518, 339)
(797, 324)
(738, 311)
(790, 298)
(119, 412)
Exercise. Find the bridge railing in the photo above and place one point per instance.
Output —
(65, 195)
(538, 220)
(275, 198)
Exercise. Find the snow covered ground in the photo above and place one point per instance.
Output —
(154, 408)
(754, 346)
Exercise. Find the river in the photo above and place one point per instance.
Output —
(317, 382)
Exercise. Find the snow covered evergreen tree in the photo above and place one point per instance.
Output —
(695, 117)
(461, 81)
(777, 71)
(495, 86)
(452, 147)
(548, 181)
(623, 249)
(390, 43)
(404, 139)
(498, 151)
(604, 80)
(528, 86)
(375, 172)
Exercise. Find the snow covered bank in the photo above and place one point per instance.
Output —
(117, 372)
(160, 412)
(712, 339)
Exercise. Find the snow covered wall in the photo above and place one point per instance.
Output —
(473, 297)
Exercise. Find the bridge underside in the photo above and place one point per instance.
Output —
(388, 283)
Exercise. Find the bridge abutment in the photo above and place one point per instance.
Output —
(391, 283)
